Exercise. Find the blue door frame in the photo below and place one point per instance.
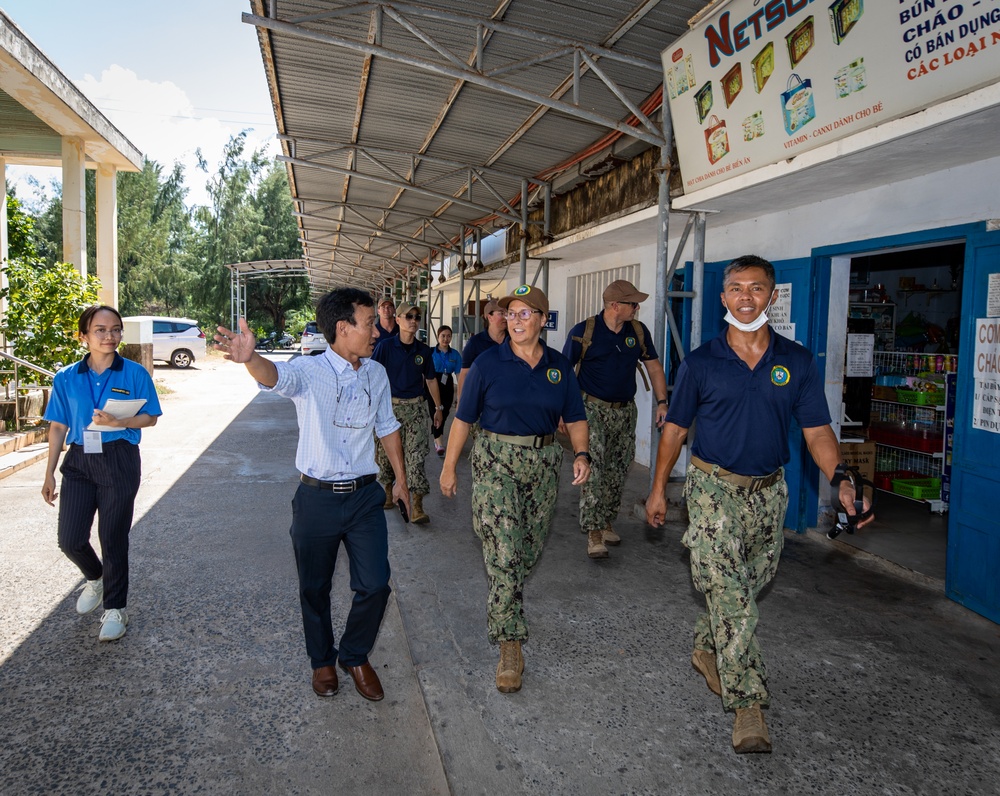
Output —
(972, 575)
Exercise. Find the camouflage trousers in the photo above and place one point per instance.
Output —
(735, 538)
(414, 433)
(514, 492)
(612, 448)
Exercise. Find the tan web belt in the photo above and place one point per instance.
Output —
(753, 483)
(525, 442)
(601, 402)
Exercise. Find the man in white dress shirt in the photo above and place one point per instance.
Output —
(340, 398)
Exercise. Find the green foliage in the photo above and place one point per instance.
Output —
(44, 304)
(171, 260)
(20, 231)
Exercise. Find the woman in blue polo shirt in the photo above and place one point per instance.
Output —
(517, 390)
(447, 364)
(101, 471)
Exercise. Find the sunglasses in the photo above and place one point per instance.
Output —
(412, 316)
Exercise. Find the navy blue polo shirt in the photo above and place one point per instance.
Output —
(608, 370)
(382, 332)
(407, 365)
(507, 396)
(77, 391)
(477, 344)
(743, 415)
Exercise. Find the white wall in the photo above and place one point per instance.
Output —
(961, 195)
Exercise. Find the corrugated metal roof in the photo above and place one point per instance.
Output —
(428, 93)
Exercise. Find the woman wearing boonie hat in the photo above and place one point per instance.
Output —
(517, 390)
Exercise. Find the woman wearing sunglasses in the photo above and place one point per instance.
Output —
(409, 364)
(518, 391)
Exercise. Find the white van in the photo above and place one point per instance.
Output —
(178, 341)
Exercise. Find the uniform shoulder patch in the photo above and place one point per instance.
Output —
(780, 376)
(554, 375)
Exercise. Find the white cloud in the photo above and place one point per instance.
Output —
(161, 121)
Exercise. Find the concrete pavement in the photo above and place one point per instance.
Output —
(880, 684)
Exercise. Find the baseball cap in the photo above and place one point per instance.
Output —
(491, 306)
(623, 290)
(386, 300)
(404, 308)
(532, 296)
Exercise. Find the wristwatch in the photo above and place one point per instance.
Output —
(585, 455)
(439, 408)
(661, 401)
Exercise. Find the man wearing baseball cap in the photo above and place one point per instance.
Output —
(494, 334)
(386, 324)
(606, 350)
(409, 363)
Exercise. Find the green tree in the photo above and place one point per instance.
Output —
(250, 218)
(44, 301)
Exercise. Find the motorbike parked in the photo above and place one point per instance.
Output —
(274, 341)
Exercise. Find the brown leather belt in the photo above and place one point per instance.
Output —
(602, 402)
(753, 483)
(351, 485)
(407, 400)
(526, 442)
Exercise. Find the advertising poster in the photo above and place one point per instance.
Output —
(986, 387)
(760, 81)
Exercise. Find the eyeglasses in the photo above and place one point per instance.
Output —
(115, 332)
(633, 304)
(412, 316)
(522, 314)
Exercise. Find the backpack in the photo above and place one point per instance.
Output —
(588, 335)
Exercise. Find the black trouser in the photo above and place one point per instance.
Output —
(447, 396)
(104, 483)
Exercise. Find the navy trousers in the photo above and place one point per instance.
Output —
(105, 484)
(321, 520)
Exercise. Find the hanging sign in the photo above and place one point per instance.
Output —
(760, 81)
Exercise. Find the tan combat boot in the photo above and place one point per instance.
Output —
(510, 667)
(595, 545)
(749, 731)
(610, 536)
(704, 663)
(390, 503)
(417, 516)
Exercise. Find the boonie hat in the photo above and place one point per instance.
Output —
(404, 308)
(622, 290)
(491, 306)
(532, 296)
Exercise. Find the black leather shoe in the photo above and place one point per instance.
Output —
(366, 681)
(325, 682)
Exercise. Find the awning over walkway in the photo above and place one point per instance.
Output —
(405, 128)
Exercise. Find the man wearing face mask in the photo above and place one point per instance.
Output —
(742, 390)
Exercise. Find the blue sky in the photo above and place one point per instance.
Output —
(171, 76)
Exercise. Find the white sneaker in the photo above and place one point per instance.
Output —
(113, 624)
(91, 597)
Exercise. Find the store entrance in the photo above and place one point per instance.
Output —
(904, 318)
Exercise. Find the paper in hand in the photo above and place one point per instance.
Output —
(119, 409)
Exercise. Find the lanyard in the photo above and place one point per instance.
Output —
(90, 382)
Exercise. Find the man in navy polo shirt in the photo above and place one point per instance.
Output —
(494, 334)
(385, 324)
(606, 350)
(409, 364)
(742, 390)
